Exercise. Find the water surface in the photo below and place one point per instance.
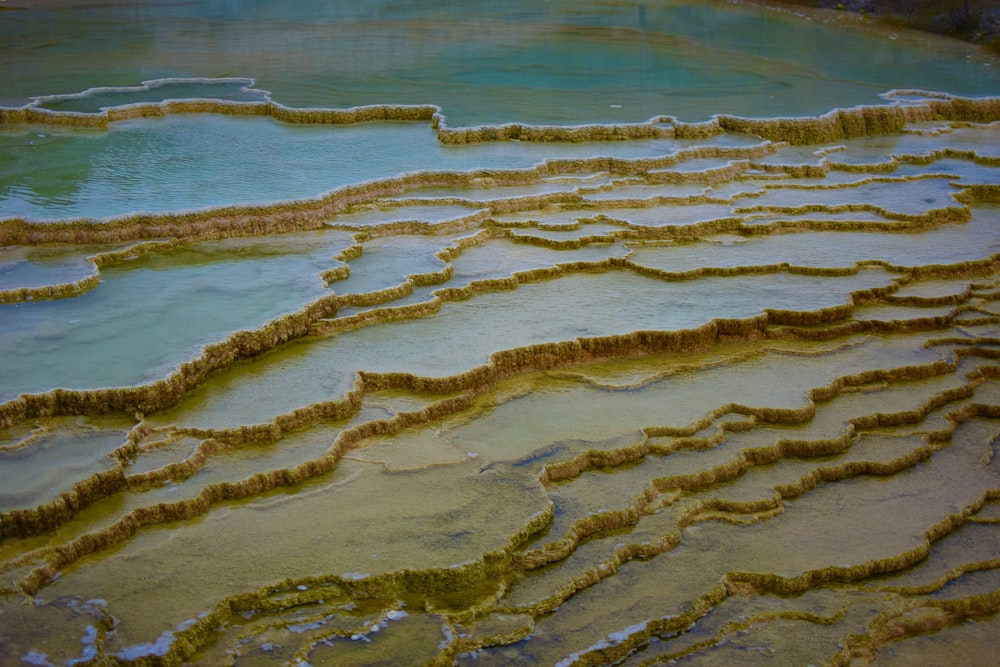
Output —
(394, 333)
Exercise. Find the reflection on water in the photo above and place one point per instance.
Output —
(287, 386)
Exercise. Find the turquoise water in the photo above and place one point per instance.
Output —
(523, 61)
(196, 161)
(399, 332)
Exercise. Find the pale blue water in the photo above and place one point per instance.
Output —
(195, 161)
(522, 60)
(527, 62)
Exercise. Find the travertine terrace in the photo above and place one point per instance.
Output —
(630, 409)
(400, 333)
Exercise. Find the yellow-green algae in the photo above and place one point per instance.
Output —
(644, 493)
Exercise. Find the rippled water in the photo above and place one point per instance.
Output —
(407, 333)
